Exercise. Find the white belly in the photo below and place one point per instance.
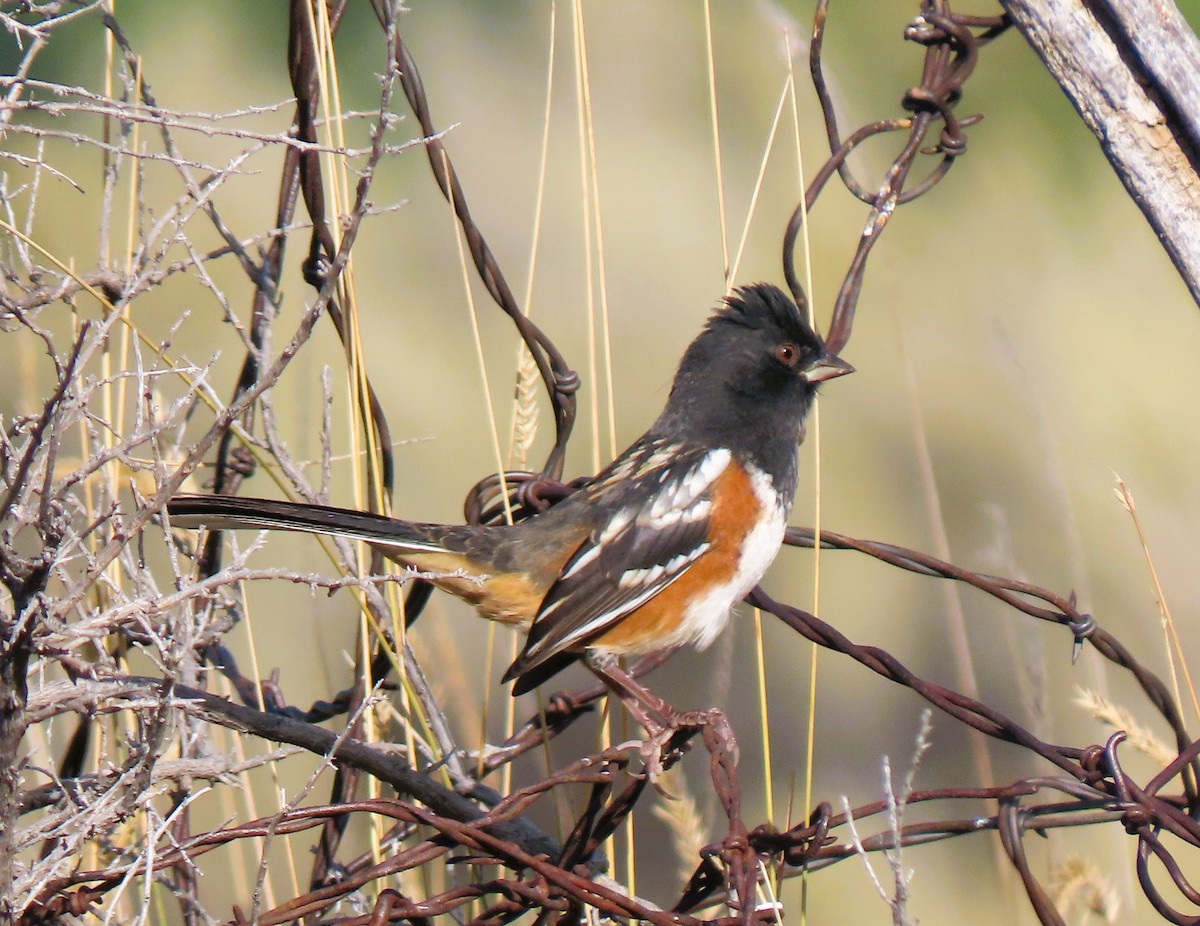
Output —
(706, 617)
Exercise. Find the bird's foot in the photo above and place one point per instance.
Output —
(666, 742)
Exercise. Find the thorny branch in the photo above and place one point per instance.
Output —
(82, 597)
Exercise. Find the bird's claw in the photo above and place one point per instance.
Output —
(659, 754)
(665, 744)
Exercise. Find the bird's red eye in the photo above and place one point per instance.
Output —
(787, 354)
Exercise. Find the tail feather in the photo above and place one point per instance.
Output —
(467, 554)
(228, 512)
(526, 677)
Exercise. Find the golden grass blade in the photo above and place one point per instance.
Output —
(596, 287)
(710, 61)
(593, 200)
(586, 192)
(758, 183)
(493, 428)
(764, 715)
(1175, 658)
(525, 402)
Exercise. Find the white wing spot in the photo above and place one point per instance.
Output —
(587, 557)
(619, 522)
(662, 455)
(697, 512)
(632, 578)
(713, 465)
(675, 502)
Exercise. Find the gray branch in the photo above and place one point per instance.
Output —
(1132, 69)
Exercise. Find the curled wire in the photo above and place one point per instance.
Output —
(951, 51)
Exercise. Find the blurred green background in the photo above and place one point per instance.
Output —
(1020, 326)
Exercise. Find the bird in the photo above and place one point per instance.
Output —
(651, 554)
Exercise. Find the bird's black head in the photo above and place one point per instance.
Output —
(748, 378)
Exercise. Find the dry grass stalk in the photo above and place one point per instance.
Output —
(1119, 718)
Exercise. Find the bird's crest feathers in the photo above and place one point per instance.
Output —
(761, 305)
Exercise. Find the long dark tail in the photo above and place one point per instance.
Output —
(223, 512)
(461, 548)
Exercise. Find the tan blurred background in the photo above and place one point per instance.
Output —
(1021, 319)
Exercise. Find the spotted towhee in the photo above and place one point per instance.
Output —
(655, 550)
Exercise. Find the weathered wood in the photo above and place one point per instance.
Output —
(1132, 69)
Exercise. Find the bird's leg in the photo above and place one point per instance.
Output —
(647, 708)
(667, 730)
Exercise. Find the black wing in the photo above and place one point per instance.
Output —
(658, 528)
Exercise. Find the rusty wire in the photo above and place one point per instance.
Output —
(560, 380)
(951, 51)
(1021, 597)
(486, 831)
